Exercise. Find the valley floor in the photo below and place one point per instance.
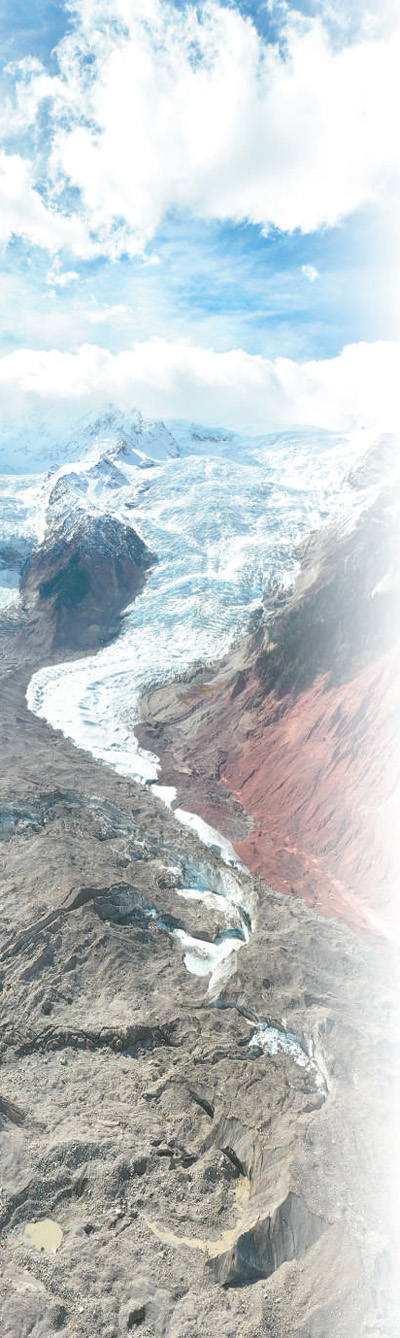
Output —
(206, 1184)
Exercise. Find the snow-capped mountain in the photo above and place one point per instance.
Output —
(40, 443)
(53, 473)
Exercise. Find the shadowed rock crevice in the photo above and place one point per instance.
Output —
(286, 1234)
(136, 1317)
(10, 1113)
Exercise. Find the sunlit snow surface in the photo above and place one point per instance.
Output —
(223, 516)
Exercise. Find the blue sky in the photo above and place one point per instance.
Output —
(223, 175)
(32, 29)
(224, 284)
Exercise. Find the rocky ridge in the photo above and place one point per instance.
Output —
(87, 569)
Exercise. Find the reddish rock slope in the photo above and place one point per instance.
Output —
(302, 727)
(317, 774)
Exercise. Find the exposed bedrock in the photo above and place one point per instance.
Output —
(287, 1233)
(88, 568)
(299, 727)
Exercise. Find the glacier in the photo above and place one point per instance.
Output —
(223, 513)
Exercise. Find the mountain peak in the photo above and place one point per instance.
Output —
(66, 435)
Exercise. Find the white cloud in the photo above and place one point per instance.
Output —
(192, 109)
(359, 387)
(310, 272)
(99, 314)
(60, 278)
(23, 213)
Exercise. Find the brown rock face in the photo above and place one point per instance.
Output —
(318, 775)
(302, 725)
(88, 568)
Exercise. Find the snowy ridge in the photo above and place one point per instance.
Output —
(33, 447)
(86, 468)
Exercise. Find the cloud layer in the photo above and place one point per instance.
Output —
(155, 110)
(357, 388)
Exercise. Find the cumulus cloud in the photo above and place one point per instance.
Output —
(156, 109)
(23, 213)
(98, 315)
(310, 272)
(58, 277)
(166, 379)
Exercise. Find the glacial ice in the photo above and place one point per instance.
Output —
(224, 515)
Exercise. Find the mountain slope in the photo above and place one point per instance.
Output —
(87, 569)
(301, 723)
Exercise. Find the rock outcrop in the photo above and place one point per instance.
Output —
(89, 566)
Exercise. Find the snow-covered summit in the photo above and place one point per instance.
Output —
(35, 445)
